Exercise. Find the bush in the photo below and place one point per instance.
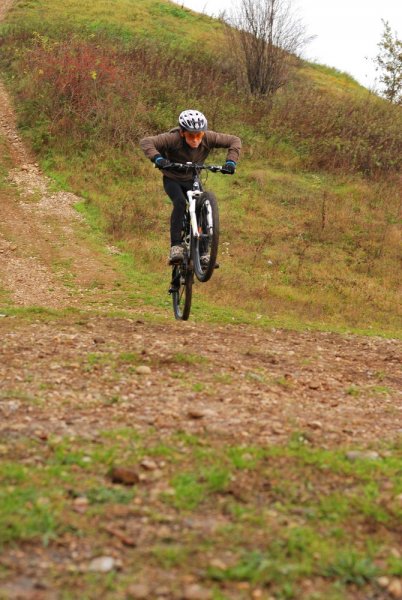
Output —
(342, 132)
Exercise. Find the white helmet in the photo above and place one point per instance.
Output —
(193, 121)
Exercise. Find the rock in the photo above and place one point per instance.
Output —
(395, 588)
(124, 475)
(217, 563)
(138, 591)
(383, 582)
(355, 455)
(143, 370)
(80, 504)
(102, 564)
(99, 340)
(315, 425)
(148, 464)
(197, 412)
(196, 592)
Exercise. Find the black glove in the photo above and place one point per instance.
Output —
(229, 167)
(161, 162)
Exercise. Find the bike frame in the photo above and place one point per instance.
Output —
(196, 192)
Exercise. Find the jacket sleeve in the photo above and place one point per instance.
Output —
(157, 144)
(223, 140)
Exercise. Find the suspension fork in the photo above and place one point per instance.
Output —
(192, 196)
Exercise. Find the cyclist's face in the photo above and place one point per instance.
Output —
(193, 139)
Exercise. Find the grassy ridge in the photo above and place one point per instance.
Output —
(306, 236)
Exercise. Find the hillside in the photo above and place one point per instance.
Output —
(244, 454)
(311, 222)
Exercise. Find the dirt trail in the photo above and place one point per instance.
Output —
(40, 233)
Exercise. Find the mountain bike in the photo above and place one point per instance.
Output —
(200, 238)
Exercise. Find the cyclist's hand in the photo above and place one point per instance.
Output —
(161, 163)
(229, 167)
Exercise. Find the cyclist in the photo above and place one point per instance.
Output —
(191, 141)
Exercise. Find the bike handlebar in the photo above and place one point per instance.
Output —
(197, 167)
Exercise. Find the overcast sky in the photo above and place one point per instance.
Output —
(347, 31)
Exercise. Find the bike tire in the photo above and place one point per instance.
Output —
(210, 239)
(182, 280)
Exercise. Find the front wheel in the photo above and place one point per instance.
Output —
(206, 244)
(182, 291)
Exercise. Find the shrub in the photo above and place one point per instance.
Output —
(342, 132)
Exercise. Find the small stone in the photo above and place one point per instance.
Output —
(197, 413)
(138, 591)
(80, 504)
(395, 588)
(383, 582)
(196, 592)
(314, 385)
(124, 475)
(217, 563)
(99, 340)
(143, 370)
(315, 425)
(148, 464)
(102, 564)
(355, 455)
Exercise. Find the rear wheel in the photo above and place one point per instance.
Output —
(182, 290)
(208, 240)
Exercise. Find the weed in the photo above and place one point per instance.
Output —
(25, 515)
(351, 568)
(105, 495)
(188, 358)
(199, 387)
(353, 391)
(170, 556)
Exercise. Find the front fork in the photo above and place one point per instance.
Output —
(192, 202)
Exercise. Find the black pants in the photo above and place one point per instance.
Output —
(177, 193)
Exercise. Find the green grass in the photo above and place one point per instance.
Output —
(124, 20)
(273, 515)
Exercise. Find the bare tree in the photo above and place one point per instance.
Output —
(267, 35)
(389, 63)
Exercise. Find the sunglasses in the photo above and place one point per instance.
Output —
(195, 136)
